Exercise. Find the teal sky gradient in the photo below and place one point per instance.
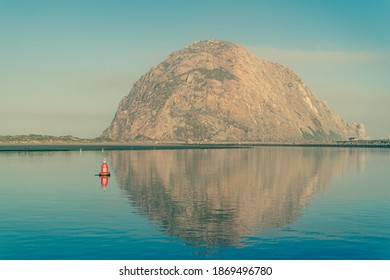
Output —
(65, 65)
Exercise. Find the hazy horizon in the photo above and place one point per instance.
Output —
(65, 65)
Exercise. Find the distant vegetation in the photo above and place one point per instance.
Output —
(48, 139)
(69, 139)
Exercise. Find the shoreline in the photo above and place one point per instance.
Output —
(110, 147)
(31, 147)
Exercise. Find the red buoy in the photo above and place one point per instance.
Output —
(104, 169)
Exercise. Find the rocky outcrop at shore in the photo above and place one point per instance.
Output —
(217, 91)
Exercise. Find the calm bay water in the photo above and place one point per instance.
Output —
(261, 203)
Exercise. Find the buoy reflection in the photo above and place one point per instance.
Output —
(104, 182)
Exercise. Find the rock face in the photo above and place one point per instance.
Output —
(216, 91)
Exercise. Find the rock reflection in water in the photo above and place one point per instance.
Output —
(215, 198)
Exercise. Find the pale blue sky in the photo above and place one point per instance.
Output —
(65, 65)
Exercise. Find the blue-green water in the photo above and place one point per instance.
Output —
(261, 203)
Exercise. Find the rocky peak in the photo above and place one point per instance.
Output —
(217, 91)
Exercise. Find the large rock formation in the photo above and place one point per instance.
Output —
(216, 91)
